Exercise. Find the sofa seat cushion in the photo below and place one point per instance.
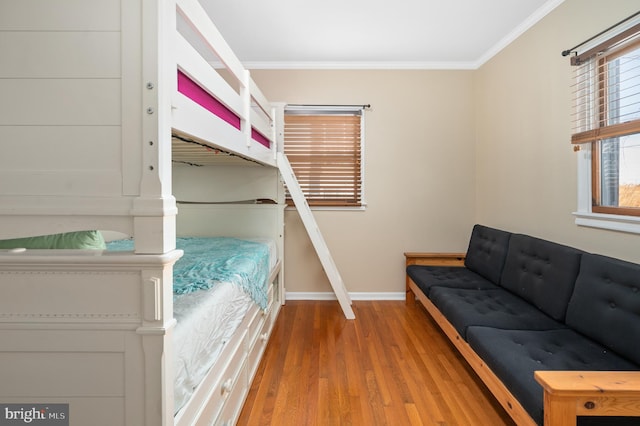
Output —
(514, 356)
(541, 272)
(427, 277)
(492, 308)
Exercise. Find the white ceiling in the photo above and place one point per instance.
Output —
(412, 34)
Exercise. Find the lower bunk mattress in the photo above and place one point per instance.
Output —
(216, 282)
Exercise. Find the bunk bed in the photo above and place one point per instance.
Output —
(132, 119)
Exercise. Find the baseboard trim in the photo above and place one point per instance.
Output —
(303, 295)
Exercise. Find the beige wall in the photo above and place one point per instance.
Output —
(526, 168)
(447, 149)
(419, 173)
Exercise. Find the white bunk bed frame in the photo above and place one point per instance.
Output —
(94, 330)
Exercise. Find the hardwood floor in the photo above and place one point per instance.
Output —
(389, 366)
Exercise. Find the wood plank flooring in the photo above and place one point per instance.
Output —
(390, 366)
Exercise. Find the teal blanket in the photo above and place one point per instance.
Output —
(208, 261)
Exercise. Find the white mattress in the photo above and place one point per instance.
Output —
(206, 320)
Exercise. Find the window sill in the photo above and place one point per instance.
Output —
(630, 224)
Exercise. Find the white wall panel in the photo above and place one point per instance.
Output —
(60, 148)
(63, 183)
(228, 183)
(63, 373)
(59, 102)
(30, 54)
(110, 296)
(60, 15)
(240, 220)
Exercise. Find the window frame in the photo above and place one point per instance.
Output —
(590, 212)
(331, 110)
(603, 112)
(584, 215)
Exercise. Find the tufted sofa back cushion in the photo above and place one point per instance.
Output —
(541, 272)
(605, 305)
(487, 251)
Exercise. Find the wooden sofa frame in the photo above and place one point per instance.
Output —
(567, 394)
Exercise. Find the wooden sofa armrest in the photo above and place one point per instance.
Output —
(431, 259)
(434, 259)
(568, 394)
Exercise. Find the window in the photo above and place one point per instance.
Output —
(324, 145)
(606, 127)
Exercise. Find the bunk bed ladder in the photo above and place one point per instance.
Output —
(315, 235)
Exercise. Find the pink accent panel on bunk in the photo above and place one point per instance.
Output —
(260, 138)
(197, 94)
(193, 91)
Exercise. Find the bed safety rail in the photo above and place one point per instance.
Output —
(233, 114)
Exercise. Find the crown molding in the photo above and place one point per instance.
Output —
(543, 11)
(373, 65)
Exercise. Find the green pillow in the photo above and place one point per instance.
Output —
(68, 240)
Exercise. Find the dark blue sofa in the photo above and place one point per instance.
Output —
(516, 304)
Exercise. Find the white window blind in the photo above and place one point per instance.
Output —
(606, 88)
(324, 147)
